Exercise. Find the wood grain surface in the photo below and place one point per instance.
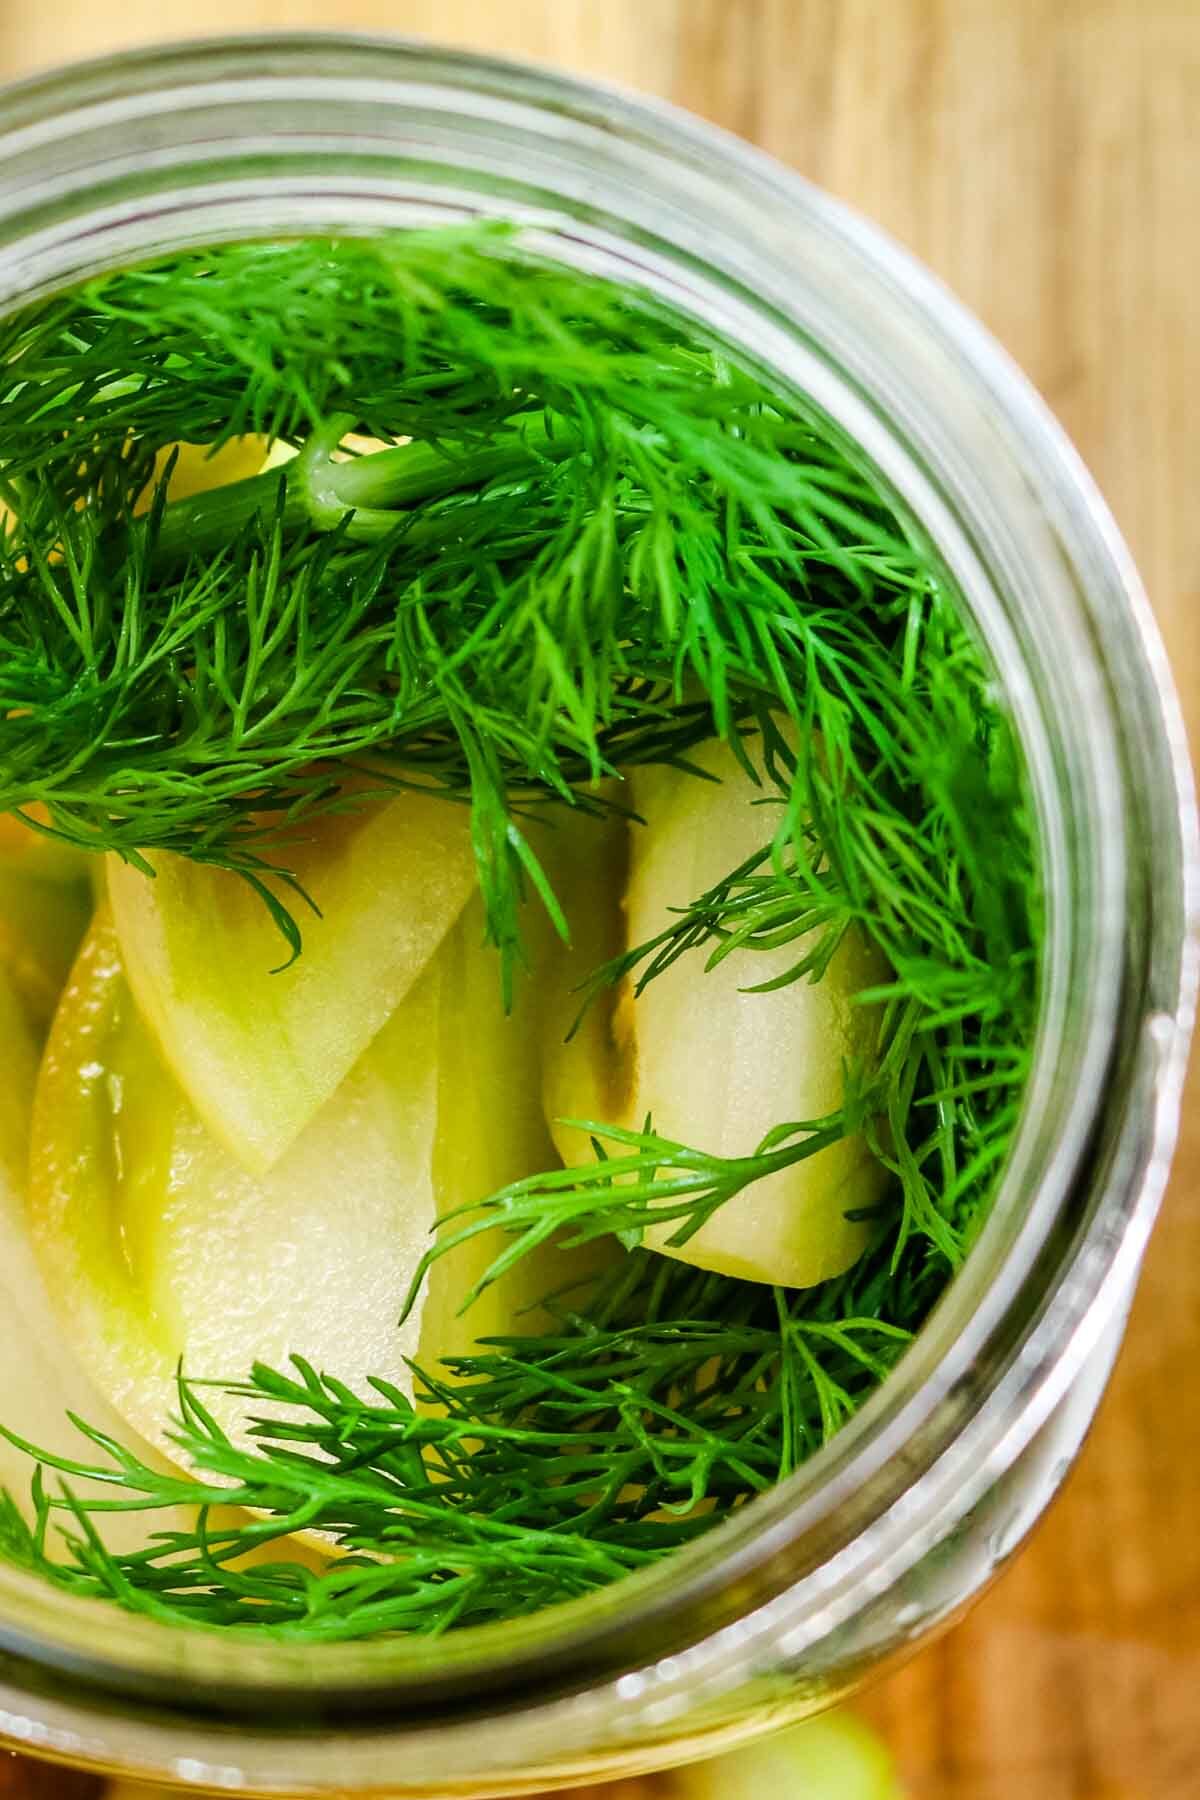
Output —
(1044, 157)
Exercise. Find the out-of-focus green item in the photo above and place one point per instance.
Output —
(836, 1757)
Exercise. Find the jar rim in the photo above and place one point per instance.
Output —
(165, 111)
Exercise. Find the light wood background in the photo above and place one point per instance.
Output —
(1044, 157)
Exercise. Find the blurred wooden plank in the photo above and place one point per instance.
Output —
(622, 41)
(1045, 160)
(21, 1779)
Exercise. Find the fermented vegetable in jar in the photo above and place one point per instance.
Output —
(559, 988)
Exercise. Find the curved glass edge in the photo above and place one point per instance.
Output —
(675, 140)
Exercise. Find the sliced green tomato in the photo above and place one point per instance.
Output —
(713, 1066)
(38, 1385)
(259, 1053)
(41, 924)
(198, 468)
(44, 1379)
(836, 1757)
(18, 1057)
(583, 1075)
(27, 851)
(159, 1247)
(492, 1130)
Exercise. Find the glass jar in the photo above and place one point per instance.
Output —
(888, 1532)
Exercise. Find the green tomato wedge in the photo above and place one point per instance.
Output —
(259, 1049)
(835, 1757)
(27, 851)
(44, 1380)
(160, 1248)
(492, 1130)
(709, 1064)
(195, 468)
(584, 1075)
(42, 921)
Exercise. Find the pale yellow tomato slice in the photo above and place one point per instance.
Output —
(42, 1379)
(41, 924)
(160, 1248)
(198, 468)
(259, 1049)
(26, 851)
(491, 1131)
(711, 1065)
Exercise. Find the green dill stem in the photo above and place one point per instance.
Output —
(538, 1468)
(605, 542)
(656, 1181)
(371, 491)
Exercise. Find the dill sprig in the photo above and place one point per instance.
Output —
(900, 814)
(603, 543)
(534, 1470)
(655, 1181)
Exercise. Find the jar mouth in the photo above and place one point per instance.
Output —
(140, 154)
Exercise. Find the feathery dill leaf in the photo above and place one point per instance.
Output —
(604, 542)
(900, 814)
(535, 1469)
(597, 517)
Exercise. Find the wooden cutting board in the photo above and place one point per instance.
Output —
(1044, 157)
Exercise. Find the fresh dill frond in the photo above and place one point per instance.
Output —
(594, 540)
(603, 544)
(652, 1180)
(536, 1469)
(899, 815)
